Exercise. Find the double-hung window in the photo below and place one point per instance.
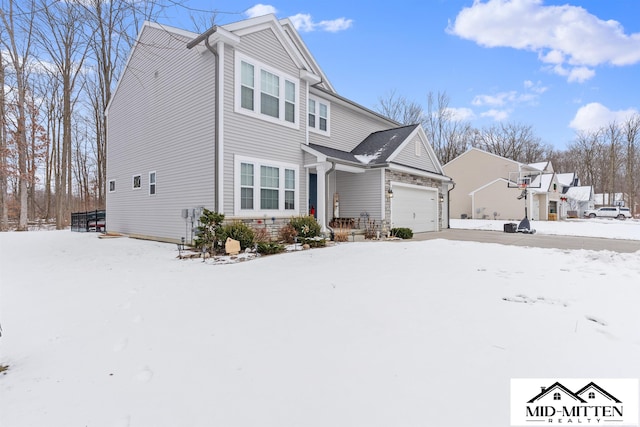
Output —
(152, 183)
(265, 187)
(318, 115)
(246, 186)
(269, 187)
(266, 93)
(247, 86)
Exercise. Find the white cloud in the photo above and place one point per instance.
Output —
(497, 115)
(594, 116)
(260, 10)
(568, 37)
(461, 114)
(304, 22)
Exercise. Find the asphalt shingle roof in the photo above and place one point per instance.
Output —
(374, 150)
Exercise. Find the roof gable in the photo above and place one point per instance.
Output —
(288, 38)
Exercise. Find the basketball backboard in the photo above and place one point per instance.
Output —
(524, 179)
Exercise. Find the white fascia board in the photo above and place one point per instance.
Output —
(346, 168)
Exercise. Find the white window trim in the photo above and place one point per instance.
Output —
(114, 186)
(316, 128)
(155, 183)
(133, 181)
(257, 90)
(256, 211)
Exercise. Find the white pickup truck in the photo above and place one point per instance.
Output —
(608, 212)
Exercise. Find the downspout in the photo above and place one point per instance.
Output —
(449, 204)
(216, 123)
(205, 36)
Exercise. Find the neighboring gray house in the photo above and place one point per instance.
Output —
(241, 120)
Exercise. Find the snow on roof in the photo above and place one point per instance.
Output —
(541, 183)
(603, 199)
(565, 179)
(581, 194)
(541, 166)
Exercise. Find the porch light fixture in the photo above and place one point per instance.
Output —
(390, 193)
(441, 197)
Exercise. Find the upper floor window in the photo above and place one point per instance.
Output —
(112, 186)
(318, 115)
(265, 93)
(556, 396)
(137, 182)
(592, 395)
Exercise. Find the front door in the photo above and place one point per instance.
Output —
(313, 195)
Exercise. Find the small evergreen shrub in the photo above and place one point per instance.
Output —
(305, 226)
(402, 232)
(270, 248)
(208, 230)
(237, 231)
(314, 242)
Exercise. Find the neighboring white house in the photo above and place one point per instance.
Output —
(243, 121)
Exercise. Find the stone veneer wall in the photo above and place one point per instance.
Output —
(407, 178)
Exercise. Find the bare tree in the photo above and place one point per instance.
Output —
(63, 33)
(400, 109)
(630, 130)
(18, 25)
(513, 141)
(4, 210)
(449, 136)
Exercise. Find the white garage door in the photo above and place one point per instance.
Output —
(414, 208)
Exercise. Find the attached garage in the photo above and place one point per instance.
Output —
(414, 207)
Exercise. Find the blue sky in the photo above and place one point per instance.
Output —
(559, 66)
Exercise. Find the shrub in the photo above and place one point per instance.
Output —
(261, 234)
(237, 231)
(305, 226)
(287, 234)
(341, 235)
(401, 232)
(269, 248)
(208, 230)
(314, 242)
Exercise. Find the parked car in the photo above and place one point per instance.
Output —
(608, 212)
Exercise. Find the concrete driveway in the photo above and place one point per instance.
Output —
(534, 240)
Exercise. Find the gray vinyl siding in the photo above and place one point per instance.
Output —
(348, 127)
(161, 119)
(252, 137)
(407, 157)
(360, 193)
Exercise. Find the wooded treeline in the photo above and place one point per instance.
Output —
(60, 60)
(607, 158)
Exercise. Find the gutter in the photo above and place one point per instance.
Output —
(205, 37)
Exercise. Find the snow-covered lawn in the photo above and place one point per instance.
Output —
(119, 332)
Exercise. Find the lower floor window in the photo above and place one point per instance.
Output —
(273, 189)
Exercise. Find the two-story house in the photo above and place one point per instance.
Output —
(241, 120)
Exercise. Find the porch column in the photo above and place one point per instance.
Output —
(321, 211)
